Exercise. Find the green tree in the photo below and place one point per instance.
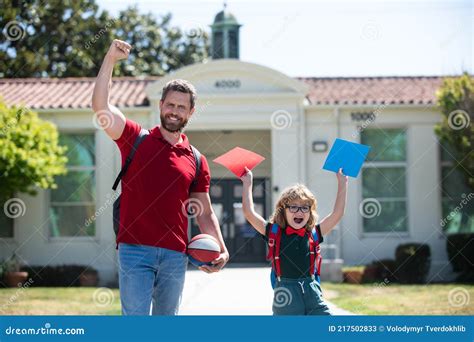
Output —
(69, 39)
(49, 38)
(157, 46)
(456, 101)
(30, 155)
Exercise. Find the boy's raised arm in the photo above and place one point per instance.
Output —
(257, 221)
(330, 221)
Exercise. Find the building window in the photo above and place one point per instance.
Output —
(73, 202)
(384, 181)
(233, 44)
(218, 45)
(457, 200)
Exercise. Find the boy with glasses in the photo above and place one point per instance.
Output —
(293, 236)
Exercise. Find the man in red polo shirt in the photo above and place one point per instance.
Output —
(156, 192)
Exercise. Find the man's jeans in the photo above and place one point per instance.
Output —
(150, 277)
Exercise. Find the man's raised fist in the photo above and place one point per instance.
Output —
(119, 50)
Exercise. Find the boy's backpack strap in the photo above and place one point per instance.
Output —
(273, 279)
(315, 250)
(312, 253)
(272, 235)
(141, 136)
(276, 259)
(274, 238)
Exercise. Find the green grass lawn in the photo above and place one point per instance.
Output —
(396, 299)
(59, 301)
(367, 299)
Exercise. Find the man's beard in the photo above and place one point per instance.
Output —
(173, 126)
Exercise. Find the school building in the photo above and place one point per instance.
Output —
(402, 194)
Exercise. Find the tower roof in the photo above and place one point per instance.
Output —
(224, 17)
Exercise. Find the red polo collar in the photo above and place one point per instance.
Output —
(156, 133)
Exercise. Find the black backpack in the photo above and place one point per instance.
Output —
(141, 136)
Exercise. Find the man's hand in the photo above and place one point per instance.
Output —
(217, 264)
(119, 50)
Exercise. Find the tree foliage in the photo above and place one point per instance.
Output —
(30, 154)
(70, 38)
(456, 101)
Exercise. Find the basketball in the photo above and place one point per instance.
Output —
(202, 249)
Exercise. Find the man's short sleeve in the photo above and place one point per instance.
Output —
(204, 178)
(128, 137)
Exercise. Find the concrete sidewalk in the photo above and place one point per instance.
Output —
(233, 291)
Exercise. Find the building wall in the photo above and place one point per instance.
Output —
(282, 164)
(246, 117)
(423, 184)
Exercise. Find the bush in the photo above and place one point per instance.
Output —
(412, 263)
(56, 276)
(31, 156)
(380, 270)
(460, 248)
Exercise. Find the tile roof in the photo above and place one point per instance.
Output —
(373, 90)
(52, 93)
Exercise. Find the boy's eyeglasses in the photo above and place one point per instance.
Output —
(294, 208)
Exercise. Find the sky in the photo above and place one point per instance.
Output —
(338, 38)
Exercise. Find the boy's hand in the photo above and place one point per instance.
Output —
(119, 50)
(247, 178)
(341, 178)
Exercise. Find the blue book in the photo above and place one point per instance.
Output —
(346, 155)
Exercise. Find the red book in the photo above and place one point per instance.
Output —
(237, 159)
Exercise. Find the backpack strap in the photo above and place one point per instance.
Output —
(197, 160)
(272, 235)
(274, 239)
(315, 253)
(276, 259)
(141, 136)
(312, 254)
